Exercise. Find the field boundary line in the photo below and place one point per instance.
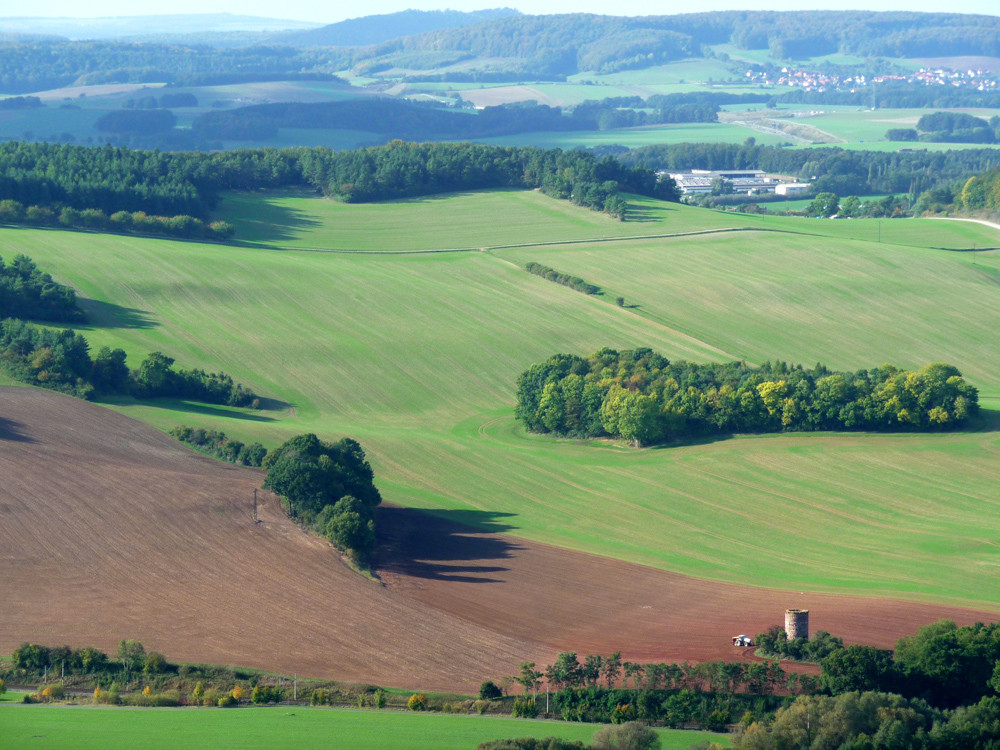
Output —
(548, 243)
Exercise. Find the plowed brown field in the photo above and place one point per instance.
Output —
(110, 529)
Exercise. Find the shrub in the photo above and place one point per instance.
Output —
(524, 708)
(632, 735)
(380, 698)
(227, 700)
(417, 702)
(212, 697)
(489, 691)
(3, 687)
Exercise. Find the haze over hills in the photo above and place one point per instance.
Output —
(132, 26)
(369, 30)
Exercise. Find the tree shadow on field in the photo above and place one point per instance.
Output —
(273, 222)
(11, 430)
(108, 315)
(445, 545)
(194, 407)
(988, 420)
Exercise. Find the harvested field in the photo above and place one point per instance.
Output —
(112, 530)
(575, 601)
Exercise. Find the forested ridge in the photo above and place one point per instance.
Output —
(644, 398)
(187, 184)
(529, 45)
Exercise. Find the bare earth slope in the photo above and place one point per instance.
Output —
(110, 529)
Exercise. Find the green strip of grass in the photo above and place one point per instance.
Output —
(281, 726)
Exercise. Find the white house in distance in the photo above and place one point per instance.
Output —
(745, 181)
(792, 188)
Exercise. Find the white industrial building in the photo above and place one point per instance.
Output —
(745, 181)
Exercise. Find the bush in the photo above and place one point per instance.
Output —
(489, 691)
(630, 736)
(417, 702)
(380, 698)
(227, 700)
(524, 708)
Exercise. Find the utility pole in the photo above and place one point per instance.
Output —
(255, 505)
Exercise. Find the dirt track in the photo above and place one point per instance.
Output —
(110, 529)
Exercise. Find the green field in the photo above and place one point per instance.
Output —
(281, 726)
(416, 355)
(696, 132)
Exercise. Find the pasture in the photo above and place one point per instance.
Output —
(283, 726)
(417, 355)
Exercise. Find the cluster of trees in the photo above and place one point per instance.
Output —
(874, 721)
(573, 282)
(853, 207)
(60, 360)
(642, 397)
(136, 222)
(216, 443)
(836, 170)
(21, 102)
(328, 487)
(949, 127)
(136, 121)
(28, 292)
(33, 660)
(775, 643)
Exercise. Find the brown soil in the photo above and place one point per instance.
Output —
(110, 529)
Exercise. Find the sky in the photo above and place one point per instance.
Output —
(338, 11)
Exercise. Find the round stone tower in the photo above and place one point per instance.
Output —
(797, 623)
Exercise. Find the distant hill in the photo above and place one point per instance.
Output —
(368, 30)
(578, 42)
(135, 26)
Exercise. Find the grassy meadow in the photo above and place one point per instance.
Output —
(282, 726)
(416, 355)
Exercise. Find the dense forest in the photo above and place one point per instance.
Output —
(949, 127)
(110, 182)
(329, 488)
(642, 397)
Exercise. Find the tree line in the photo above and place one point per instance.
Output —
(127, 190)
(60, 360)
(217, 443)
(642, 397)
(124, 222)
(573, 282)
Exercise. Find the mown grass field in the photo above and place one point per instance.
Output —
(282, 726)
(417, 355)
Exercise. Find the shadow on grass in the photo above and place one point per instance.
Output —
(988, 420)
(193, 407)
(446, 545)
(272, 222)
(11, 430)
(108, 315)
